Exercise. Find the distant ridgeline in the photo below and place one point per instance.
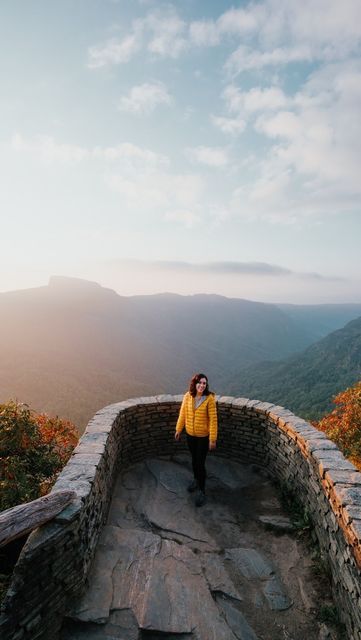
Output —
(53, 566)
(73, 346)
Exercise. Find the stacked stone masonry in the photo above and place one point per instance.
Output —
(55, 560)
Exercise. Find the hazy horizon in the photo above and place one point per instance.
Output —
(145, 291)
(194, 147)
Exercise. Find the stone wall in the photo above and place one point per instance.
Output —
(53, 565)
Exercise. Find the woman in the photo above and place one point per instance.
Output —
(198, 414)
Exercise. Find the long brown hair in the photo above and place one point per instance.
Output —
(192, 385)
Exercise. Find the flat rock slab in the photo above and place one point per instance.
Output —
(217, 576)
(279, 523)
(235, 619)
(253, 566)
(275, 595)
(159, 581)
(155, 493)
(249, 563)
(165, 570)
(123, 558)
(232, 475)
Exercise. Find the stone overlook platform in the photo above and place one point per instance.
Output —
(227, 571)
(133, 558)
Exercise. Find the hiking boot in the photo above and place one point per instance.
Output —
(192, 486)
(200, 499)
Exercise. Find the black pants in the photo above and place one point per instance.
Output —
(199, 449)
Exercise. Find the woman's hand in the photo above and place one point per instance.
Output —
(177, 435)
(212, 445)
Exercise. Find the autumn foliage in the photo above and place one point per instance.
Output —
(343, 424)
(33, 449)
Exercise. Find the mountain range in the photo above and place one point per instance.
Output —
(306, 383)
(72, 346)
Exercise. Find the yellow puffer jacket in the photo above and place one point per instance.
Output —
(201, 421)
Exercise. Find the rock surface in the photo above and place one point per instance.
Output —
(165, 569)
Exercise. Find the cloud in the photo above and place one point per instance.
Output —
(242, 21)
(256, 99)
(285, 124)
(225, 268)
(141, 178)
(253, 268)
(48, 150)
(281, 33)
(232, 126)
(268, 33)
(143, 99)
(265, 34)
(267, 197)
(173, 197)
(167, 33)
(209, 156)
(234, 22)
(312, 146)
(114, 51)
(248, 59)
(243, 104)
(161, 32)
(132, 154)
(204, 33)
(321, 137)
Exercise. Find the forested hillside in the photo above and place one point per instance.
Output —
(306, 383)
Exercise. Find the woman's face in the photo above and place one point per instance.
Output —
(200, 386)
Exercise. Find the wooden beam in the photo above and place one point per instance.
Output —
(23, 518)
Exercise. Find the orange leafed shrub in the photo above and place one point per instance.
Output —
(343, 424)
(33, 450)
(60, 434)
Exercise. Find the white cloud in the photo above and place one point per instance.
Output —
(284, 124)
(166, 33)
(204, 33)
(246, 103)
(313, 146)
(114, 51)
(256, 99)
(143, 99)
(234, 22)
(142, 178)
(273, 33)
(321, 138)
(48, 150)
(131, 153)
(160, 193)
(247, 58)
(210, 156)
(312, 165)
(161, 32)
(267, 197)
(326, 23)
(241, 21)
(293, 31)
(222, 268)
(232, 126)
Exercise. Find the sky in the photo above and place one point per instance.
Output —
(193, 147)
